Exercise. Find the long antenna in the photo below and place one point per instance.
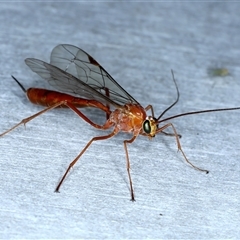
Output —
(198, 112)
(189, 113)
(178, 95)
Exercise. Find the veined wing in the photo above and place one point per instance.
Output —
(66, 82)
(86, 70)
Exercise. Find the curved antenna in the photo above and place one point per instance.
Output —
(197, 112)
(178, 95)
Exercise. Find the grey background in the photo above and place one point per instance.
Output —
(138, 44)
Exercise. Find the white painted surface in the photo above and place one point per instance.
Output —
(138, 44)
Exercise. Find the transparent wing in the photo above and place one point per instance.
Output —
(88, 76)
(66, 82)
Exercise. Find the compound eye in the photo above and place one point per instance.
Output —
(147, 127)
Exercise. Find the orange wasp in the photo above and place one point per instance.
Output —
(73, 71)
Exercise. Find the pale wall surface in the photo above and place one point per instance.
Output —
(138, 43)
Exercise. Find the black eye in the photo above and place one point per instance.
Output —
(147, 126)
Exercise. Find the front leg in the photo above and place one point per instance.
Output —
(128, 165)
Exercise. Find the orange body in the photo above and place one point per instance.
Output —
(129, 118)
(73, 70)
(48, 98)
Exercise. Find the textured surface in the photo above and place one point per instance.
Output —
(138, 44)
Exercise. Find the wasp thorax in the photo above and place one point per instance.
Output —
(150, 126)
